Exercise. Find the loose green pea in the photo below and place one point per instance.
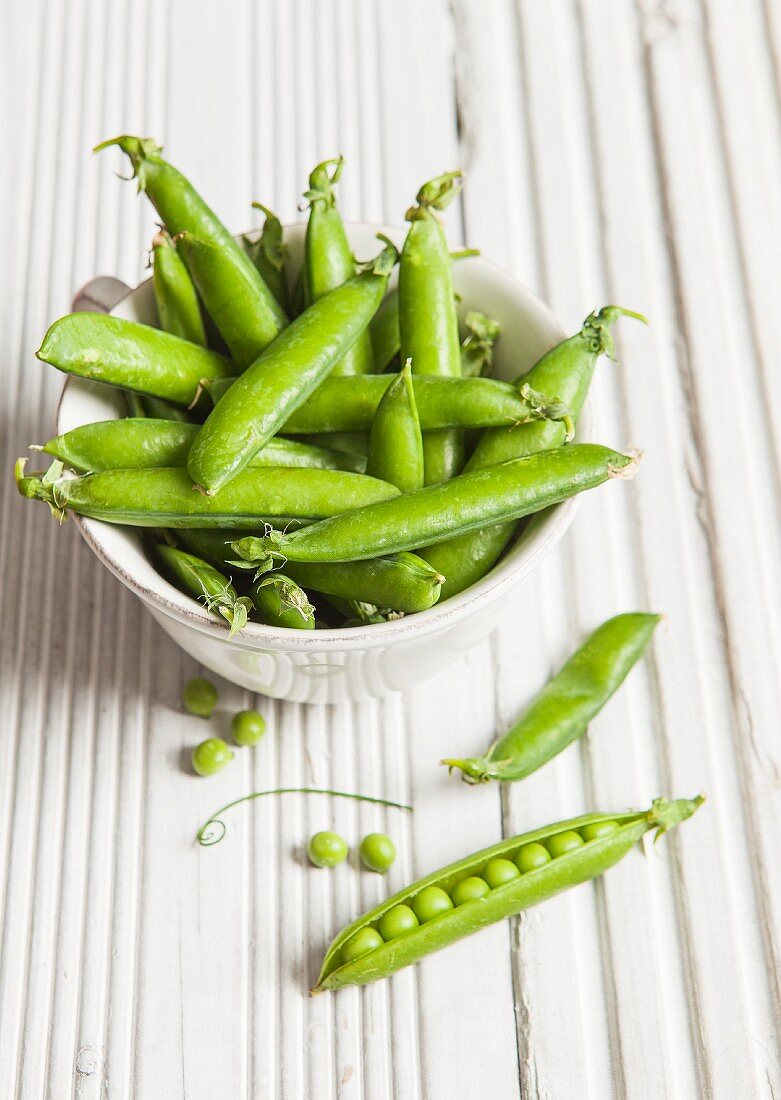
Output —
(366, 939)
(247, 727)
(498, 871)
(377, 852)
(430, 902)
(326, 849)
(469, 889)
(396, 922)
(211, 756)
(532, 856)
(200, 697)
(598, 829)
(561, 843)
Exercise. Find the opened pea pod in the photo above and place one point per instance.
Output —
(487, 887)
(562, 711)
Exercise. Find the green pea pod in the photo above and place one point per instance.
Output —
(395, 440)
(401, 582)
(165, 497)
(507, 491)
(211, 544)
(384, 332)
(477, 347)
(269, 253)
(565, 372)
(562, 711)
(328, 258)
(158, 409)
(137, 357)
(354, 443)
(360, 953)
(181, 208)
(134, 444)
(428, 323)
(243, 308)
(280, 602)
(283, 376)
(206, 583)
(349, 404)
(384, 327)
(178, 309)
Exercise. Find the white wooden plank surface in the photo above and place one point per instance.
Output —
(616, 150)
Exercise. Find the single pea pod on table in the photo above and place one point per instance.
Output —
(563, 709)
(447, 905)
(165, 497)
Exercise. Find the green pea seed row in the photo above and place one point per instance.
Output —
(488, 886)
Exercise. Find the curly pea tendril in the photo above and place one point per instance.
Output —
(214, 829)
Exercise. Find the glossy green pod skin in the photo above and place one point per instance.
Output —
(283, 376)
(563, 709)
(200, 579)
(582, 864)
(352, 443)
(565, 374)
(279, 601)
(477, 347)
(507, 491)
(400, 582)
(269, 254)
(137, 357)
(328, 257)
(165, 497)
(246, 313)
(349, 404)
(179, 205)
(428, 323)
(135, 444)
(178, 308)
(395, 439)
(384, 332)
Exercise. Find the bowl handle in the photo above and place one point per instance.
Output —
(99, 295)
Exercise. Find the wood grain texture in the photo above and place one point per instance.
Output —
(616, 150)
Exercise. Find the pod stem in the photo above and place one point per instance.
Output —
(596, 328)
(292, 597)
(234, 609)
(41, 486)
(271, 242)
(384, 262)
(138, 149)
(260, 553)
(476, 769)
(321, 184)
(214, 829)
(665, 815)
(544, 408)
(436, 194)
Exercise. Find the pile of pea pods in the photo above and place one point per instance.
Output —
(312, 449)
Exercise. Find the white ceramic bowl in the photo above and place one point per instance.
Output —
(329, 666)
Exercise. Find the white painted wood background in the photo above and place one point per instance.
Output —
(616, 150)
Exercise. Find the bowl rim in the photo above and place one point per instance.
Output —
(547, 528)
